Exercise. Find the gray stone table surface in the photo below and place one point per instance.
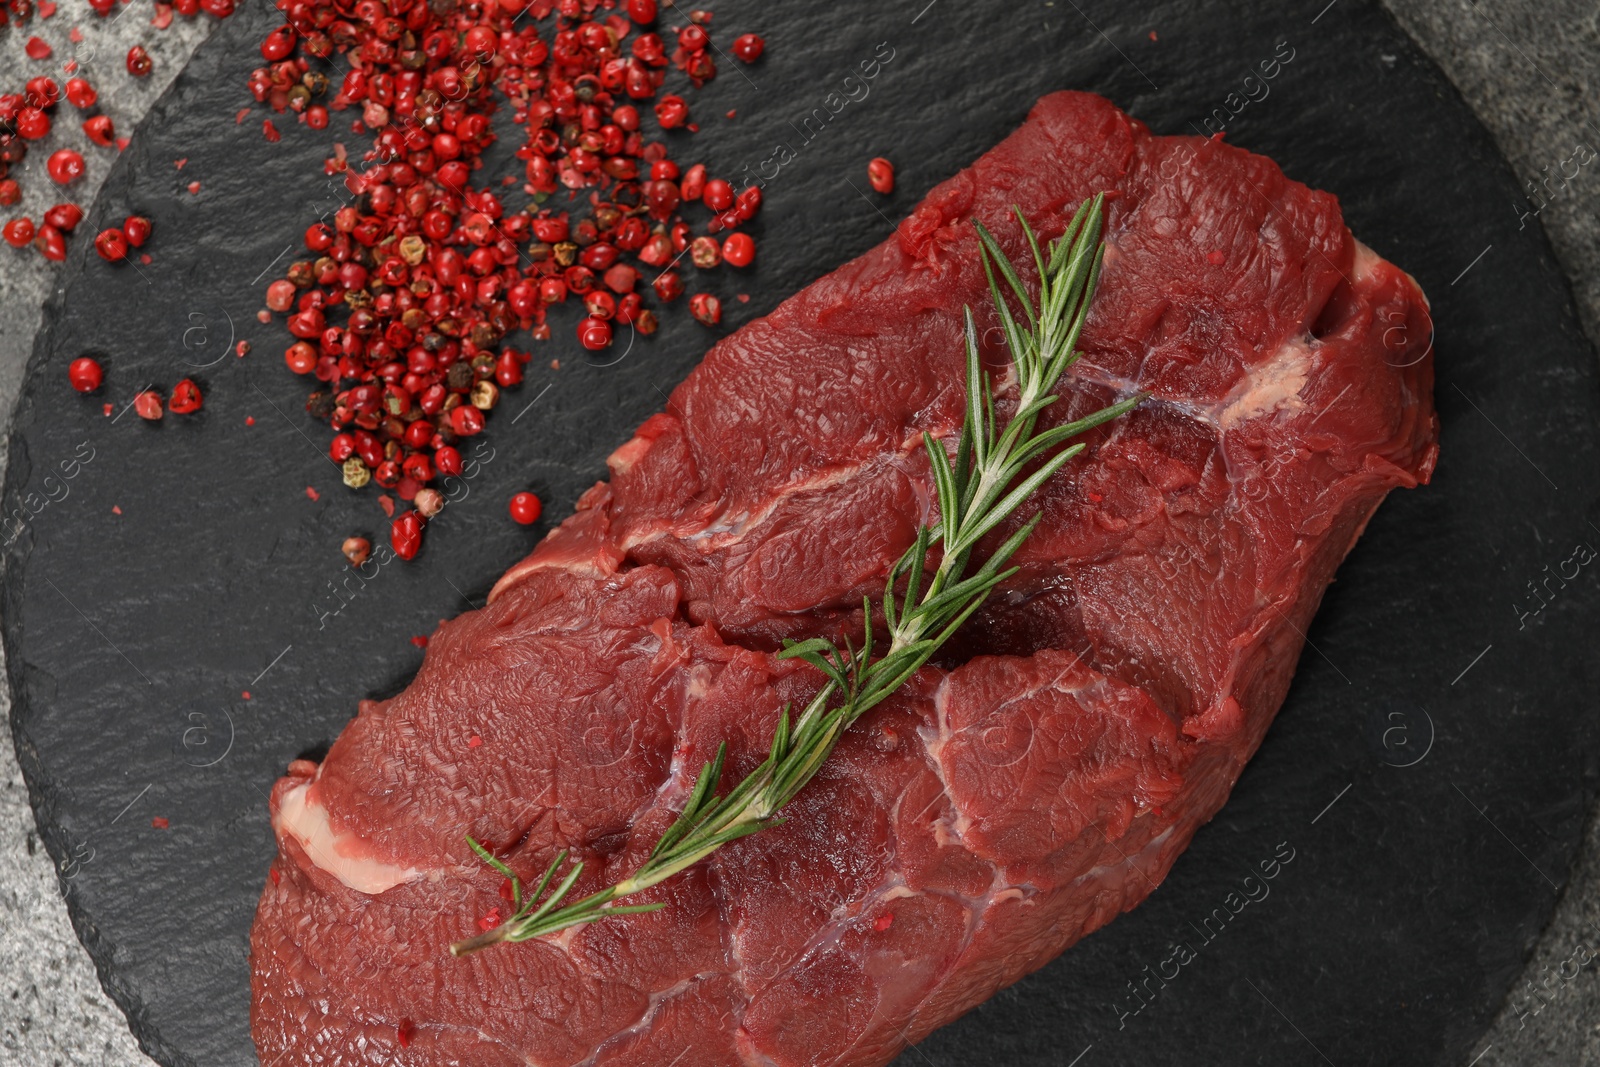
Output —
(1529, 68)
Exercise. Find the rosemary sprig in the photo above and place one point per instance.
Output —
(984, 484)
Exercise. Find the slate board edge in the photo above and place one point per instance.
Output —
(15, 555)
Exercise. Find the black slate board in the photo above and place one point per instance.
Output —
(1429, 771)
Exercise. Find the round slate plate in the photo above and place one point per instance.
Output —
(179, 624)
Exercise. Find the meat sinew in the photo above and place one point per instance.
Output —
(1037, 780)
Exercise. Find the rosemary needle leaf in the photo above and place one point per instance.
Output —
(995, 255)
(488, 857)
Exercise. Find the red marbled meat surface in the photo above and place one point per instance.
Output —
(1039, 779)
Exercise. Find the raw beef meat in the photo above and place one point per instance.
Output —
(1037, 780)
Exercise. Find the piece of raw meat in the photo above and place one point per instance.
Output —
(1036, 781)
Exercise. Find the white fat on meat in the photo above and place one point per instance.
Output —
(1269, 387)
(344, 855)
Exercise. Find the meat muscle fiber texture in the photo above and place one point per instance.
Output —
(1037, 780)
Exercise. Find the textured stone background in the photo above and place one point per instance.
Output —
(1529, 68)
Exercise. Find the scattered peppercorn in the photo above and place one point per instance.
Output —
(594, 334)
(738, 250)
(51, 243)
(112, 244)
(18, 232)
(85, 374)
(526, 508)
(405, 534)
(880, 172)
(99, 129)
(148, 405)
(80, 94)
(31, 123)
(356, 550)
(65, 166)
(64, 217)
(749, 47)
(136, 228)
(186, 398)
(706, 309)
(139, 62)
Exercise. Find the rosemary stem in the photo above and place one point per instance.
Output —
(977, 490)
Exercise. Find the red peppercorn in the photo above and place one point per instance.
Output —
(148, 405)
(668, 286)
(663, 197)
(405, 534)
(342, 447)
(64, 166)
(704, 252)
(748, 47)
(880, 172)
(10, 193)
(706, 309)
(718, 195)
(594, 334)
(672, 112)
(417, 468)
(112, 244)
(738, 250)
(278, 44)
(466, 420)
(526, 508)
(139, 62)
(80, 94)
(37, 48)
(629, 308)
(621, 278)
(748, 203)
(300, 357)
(280, 294)
(599, 256)
(600, 304)
(447, 459)
(98, 128)
(85, 374)
(64, 217)
(508, 369)
(356, 550)
(693, 185)
(51, 243)
(32, 123)
(642, 11)
(552, 291)
(41, 92)
(692, 38)
(136, 228)
(18, 232)
(185, 397)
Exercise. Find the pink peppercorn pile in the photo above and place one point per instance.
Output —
(403, 304)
